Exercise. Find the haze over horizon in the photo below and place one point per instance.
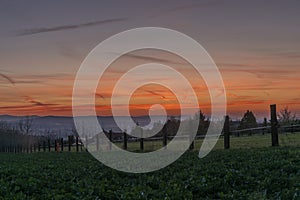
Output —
(254, 44)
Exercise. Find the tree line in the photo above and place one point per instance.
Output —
(21, 132)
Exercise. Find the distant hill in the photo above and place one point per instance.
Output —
(43, 125)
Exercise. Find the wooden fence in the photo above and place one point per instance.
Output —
(74, 144)
(58, 145)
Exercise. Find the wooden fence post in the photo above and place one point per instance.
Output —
(192, 141)
(77, 147)
(142, 141)
(44, 146)
(165, 136)
(274, 123)
(125, 140)
(62, 144)
(69, 142)
(55, 144)
(86, 143)
(110, 139)
(49, 145)
(191, 138)
(226, 133)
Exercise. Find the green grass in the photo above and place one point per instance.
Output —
(254, 141)
(257, 141)
(265, 173)
(250, 170)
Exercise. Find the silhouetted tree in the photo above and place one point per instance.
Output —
(203, 122)
(5, 127)
(172, 125)
(25, 125)
(286, 116)
(265, 123)
(248, 120)
(10, 136)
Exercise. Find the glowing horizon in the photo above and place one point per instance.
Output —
(258, 59)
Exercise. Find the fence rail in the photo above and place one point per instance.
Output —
(74, 143)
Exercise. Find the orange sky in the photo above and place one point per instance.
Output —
(248, 86)
(257, 55)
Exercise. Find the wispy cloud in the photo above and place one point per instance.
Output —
(243, 66)
(56, 76)
(35, 107)
(246, 102)
(259, 70)
(150, 58)
(33, 79)
(16, 107)
(36, 102)
(67, 27)
(100, 95)
(9, 79)
(31, 103)
(156, 94)
(103, 95)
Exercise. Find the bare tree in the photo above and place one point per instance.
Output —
(25, 125)
(4, 126)
(286, 116)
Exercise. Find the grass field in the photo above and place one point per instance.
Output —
(254, 141)
(250, 170)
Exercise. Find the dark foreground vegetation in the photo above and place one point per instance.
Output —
(262, 173)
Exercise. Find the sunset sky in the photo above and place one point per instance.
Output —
(255, 44)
